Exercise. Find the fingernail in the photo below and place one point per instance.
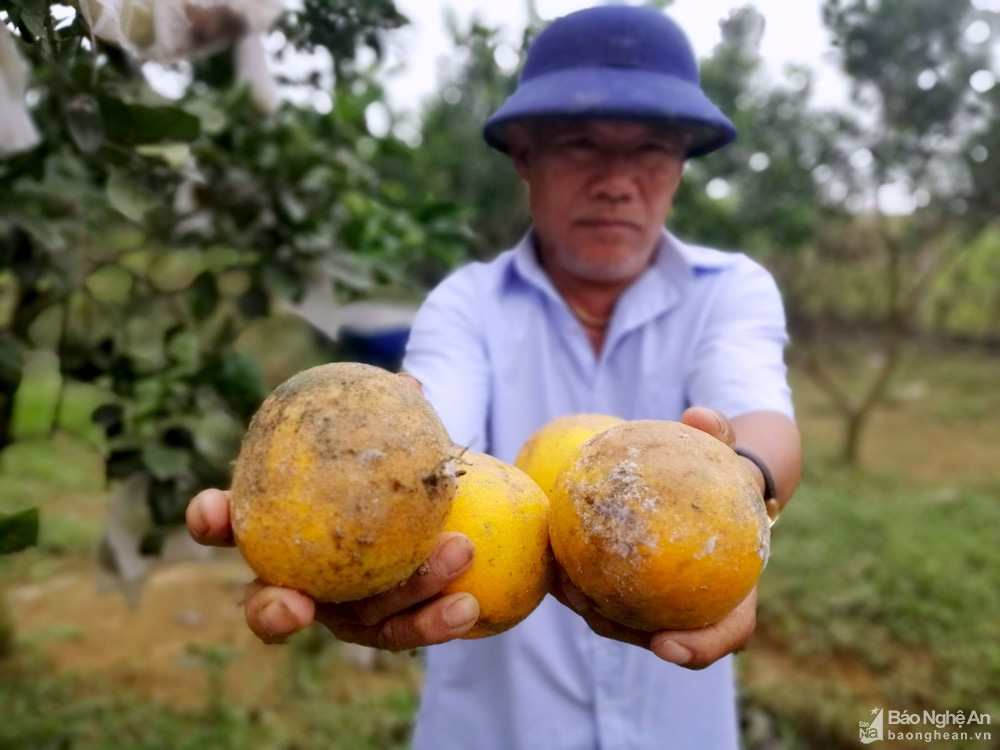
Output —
(672, 651)
(276, 618)
(454, 555)
(720, 422)
(461, 612)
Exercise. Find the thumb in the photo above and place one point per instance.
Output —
(700, 647)
(411, 382)
(710, 421)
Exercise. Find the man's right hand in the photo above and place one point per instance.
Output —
(408, 616)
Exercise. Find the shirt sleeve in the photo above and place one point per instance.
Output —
(739, 364)
(447, 353)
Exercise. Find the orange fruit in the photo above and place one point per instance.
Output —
(343, 483)
(505, 515)
(544, 454)
(660, 525)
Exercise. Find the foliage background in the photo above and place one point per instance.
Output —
(150, 249)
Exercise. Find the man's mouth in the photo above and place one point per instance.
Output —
(601, 223)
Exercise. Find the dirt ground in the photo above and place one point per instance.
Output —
(182, 606)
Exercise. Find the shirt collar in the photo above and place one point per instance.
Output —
(527, 266)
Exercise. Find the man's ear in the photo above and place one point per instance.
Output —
(519, 148)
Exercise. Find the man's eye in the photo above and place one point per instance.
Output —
(656, 147)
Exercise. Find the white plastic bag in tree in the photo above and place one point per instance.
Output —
(252, 70)
(166, 31)
(125, 23)
(169, 30)
(17, 131)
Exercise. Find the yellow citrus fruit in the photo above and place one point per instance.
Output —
(343, 483)
(660, 524)
(545, 453)
(505, 515)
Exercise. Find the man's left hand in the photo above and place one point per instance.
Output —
(693, 649)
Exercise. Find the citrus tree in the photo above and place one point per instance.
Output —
(453, 162)
(811, 190)
(926, 123)
(142, 235)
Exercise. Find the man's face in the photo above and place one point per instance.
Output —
(600, 191)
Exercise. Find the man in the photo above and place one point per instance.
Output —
(598, 309)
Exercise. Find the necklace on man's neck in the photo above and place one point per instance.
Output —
(587, 320)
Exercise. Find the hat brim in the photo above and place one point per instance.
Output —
(614, 93)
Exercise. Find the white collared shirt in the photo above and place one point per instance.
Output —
(500, 354)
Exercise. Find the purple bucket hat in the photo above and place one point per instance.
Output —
(614, 62)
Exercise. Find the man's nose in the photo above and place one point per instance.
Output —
(615, 181)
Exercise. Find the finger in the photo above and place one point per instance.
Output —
(441, 620)
(710, 421)
(615, 630)
(697, 649)
(411, 382)
(450, 559)
(564, 591)
(275, 613)
(568, 594)
(207, 518)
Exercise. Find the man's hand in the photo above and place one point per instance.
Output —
(406, 617)
(694, 649)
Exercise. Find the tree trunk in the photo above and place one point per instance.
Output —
(6, 629)
(854, 426)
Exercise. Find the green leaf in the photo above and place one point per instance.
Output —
(44, 232)
(223, 257)
(211, 119)
(83, 119)
(175, 155)
(238, 379)
(18, 530)
(181, 347)
(203, 296)
(283, 282)
(175, 270)
(127, 198)
(11, 362)
(110, 284)
(135, 124)
(164, 462)
(293, 208)
(31, 14)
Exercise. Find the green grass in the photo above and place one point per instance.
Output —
(60, 464)
(883, 587)
(41, 711)
(900, 577)
(64, 478)
(879, 567)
